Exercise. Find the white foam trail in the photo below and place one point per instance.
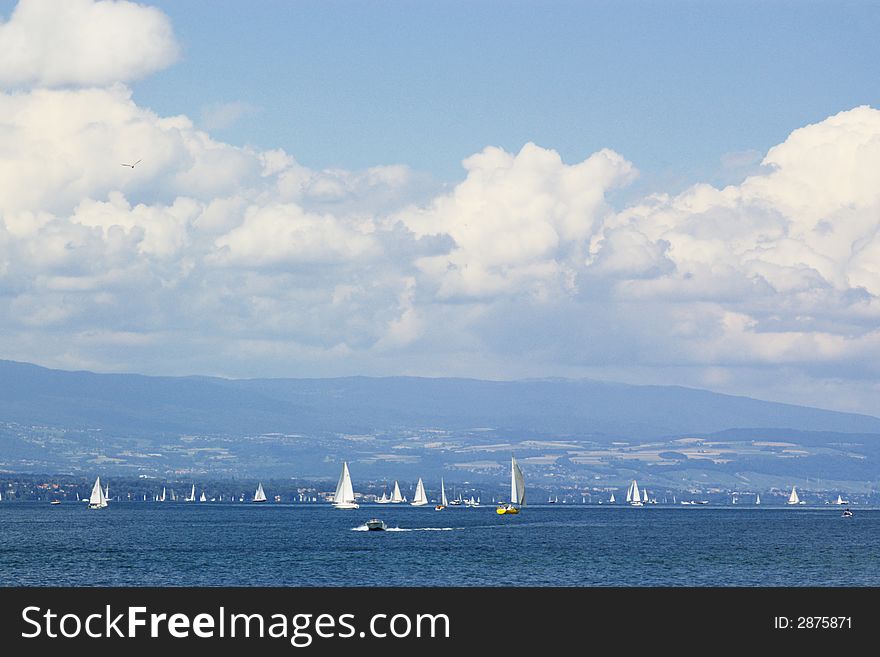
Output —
(364, 528)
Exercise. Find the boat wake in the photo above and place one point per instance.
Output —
(364, 528)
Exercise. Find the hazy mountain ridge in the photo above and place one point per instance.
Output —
(562, 430)
(137, 404)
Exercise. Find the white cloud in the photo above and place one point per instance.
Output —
(83, 42)
(219, 116)
(212, 258)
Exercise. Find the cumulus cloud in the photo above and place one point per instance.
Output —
(83, 42)
(219, 259)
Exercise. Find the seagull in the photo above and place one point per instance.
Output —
(124, 164)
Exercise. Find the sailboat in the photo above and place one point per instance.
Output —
(162, 499)
(192, 495)
(517, 490)
(793, 498)
(612, 500)
(344, 497)
(97, 500)
(203, 498)
(443, 503)
(396, 497)
(384, 499)
(260, 496)
(107, 493)
(757, 499)
(421, 499)
(632, 495)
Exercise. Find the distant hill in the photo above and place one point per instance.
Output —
(136, 405)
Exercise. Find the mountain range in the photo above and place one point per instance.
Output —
(73, 420)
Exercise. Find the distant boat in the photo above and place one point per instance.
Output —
(611, 500)
(443, 503)
(841, 501)
(203, 498)
(107, 492)
(793, 498)
(55, 502)
(162, 498)
(260, 496)
(632, 495)
(375, 525)
(384, 499)
(97, 500)
(344, 496)
(549, 501)
(421, 499)
(757, 499)
(192, 495)
(396, 497)
(847, 513)
(517, 491)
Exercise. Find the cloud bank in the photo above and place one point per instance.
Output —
(81, 42)
(219, 259)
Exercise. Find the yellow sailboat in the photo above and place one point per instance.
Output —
(517, 491)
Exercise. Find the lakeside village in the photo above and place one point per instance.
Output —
(68, 488)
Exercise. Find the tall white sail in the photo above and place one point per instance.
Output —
(107, 492)
(758, 498)
(192, 495)
(396, 496)
(443, 494)
(517, 484)
(645, 496)
(344, 497)
(839, 499)
(636, 496)
(421, 499)
(793, 498)
(260, 496)
(97, 500)
(612, 500)
(203, 498)
(629, 493)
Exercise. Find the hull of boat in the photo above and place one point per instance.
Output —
(347, 505)
(503, 512)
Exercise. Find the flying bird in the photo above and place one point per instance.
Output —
(125, 164)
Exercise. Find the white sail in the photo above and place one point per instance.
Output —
(612, 500)
(758, 498)
(107, 493)
(443, 494)
(162, 499)
(636, 496)
(517, 484)
(645, 495)
(839, 499)
(97, 500)
(344, 497)
(203, 498)
(192, 495)
(793, 498)
(260, 495)
(629, 493)
(421, 498)
(396, 496)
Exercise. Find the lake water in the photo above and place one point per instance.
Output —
(150, 544)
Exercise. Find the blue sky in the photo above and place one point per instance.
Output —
(676, 192)
(674, 85)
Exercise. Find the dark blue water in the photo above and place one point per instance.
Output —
(147, 544)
